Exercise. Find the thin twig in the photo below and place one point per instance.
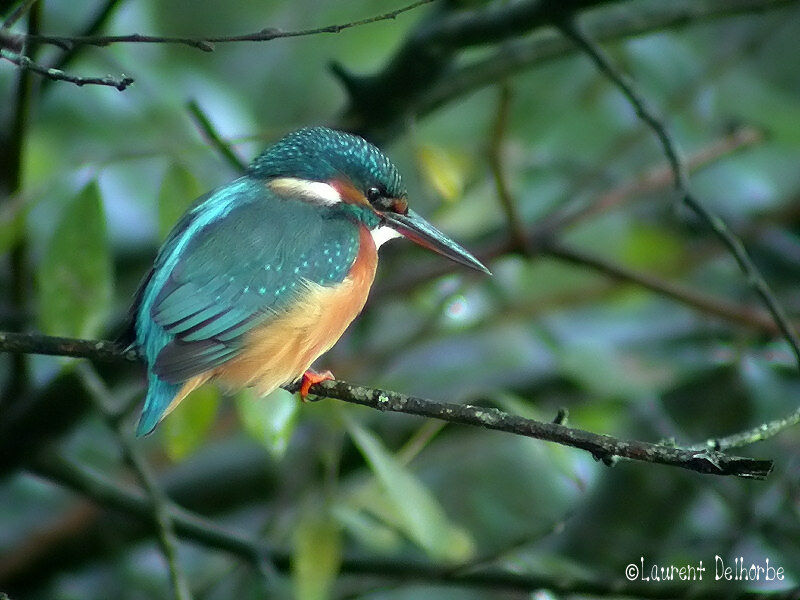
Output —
(212, 136)
(521, 55)
(571, 209)
(94, 26)
(751, 436)
(207, 43)
(161, 515)
(647, 182)
(23, 62)
(515, 224)
(703, 302)
(600, 446)
(83, 480)
(11, 159)
(681, 179)
(652, 180)
(17, 13)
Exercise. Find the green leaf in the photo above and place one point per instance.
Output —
(270, 420)
(316, 556)
(648, 247)
(75, 276)
(367, 530)
(179, 189)
(444, 170)
(602, 371)
(187, 426)
(12, 224)
(420, 516)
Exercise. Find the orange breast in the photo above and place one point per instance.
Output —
(282, 350)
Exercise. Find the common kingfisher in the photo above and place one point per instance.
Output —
(263, 275)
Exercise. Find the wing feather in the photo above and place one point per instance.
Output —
(232, 267)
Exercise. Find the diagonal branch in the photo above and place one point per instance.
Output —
(751, 436)
(602, 447)
(498, 243)
(211, 135)
(102, 399)
(685, 295)
(681, 179)
(517, 56)
(516, 226)
(17, 13)
(13, 141)
(654, 179)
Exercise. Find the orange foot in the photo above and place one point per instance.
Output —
(310, 378)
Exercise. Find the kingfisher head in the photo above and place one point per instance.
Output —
(343, 172)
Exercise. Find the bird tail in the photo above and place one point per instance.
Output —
(160, 395)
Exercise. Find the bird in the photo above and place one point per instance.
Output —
(263, 275)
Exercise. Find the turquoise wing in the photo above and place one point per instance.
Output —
(234, 262)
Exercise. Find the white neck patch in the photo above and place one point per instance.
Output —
(383, 234)
(316, 192)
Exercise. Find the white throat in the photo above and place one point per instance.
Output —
(383, 234)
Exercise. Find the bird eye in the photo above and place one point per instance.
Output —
(373, 195)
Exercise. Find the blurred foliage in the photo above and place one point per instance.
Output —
(269, 420)
(106, 174)
(75, 271)
(317, 555)
(190, 424)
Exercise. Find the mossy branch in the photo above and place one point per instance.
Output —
(602, 447)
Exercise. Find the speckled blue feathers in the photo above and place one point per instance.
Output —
(322, 154)
(233, 262)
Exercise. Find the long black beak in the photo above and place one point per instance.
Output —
(418, 230)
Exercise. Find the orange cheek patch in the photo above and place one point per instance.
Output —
(349, 193)
(400, 206)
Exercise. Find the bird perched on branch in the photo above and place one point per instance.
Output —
(263, 275)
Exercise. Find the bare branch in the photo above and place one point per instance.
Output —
(94, 26)
(681, 179)
(513, 218)
(212, 136)
(162, 517)
(652, 180)
(207, 43)
(601, 447)
(95, 350)
(23, 62)
(519, 55)
(17, 13)
(756, 434)
(703, 302)
(12, 141)
(542, 232)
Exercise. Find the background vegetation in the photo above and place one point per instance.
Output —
(610, 298)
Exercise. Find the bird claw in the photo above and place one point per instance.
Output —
(310, 378)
